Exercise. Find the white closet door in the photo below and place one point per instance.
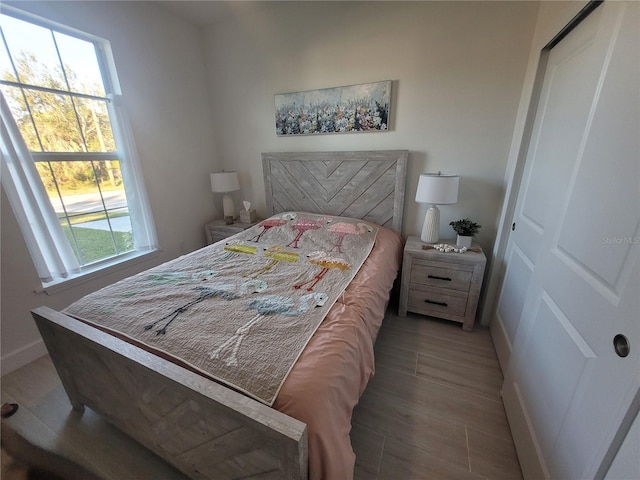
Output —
(572, 281)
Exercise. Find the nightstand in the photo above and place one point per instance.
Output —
(443, 285)
(218, 230)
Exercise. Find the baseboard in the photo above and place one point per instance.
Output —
(527, 446)
(18, 358)
(501, 343)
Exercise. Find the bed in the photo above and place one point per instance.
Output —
(209, 429)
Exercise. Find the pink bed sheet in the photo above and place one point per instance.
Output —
(326, 383)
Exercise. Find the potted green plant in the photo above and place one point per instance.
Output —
(466, 230)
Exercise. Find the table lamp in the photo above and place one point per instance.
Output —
(435, 189)
(225, 182)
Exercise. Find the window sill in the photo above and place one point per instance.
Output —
(97, 271)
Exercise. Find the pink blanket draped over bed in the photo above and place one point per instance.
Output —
(326, 383)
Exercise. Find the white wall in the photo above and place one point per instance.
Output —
(161, 70)
(457, 71)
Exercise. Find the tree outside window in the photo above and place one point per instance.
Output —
(59, 93)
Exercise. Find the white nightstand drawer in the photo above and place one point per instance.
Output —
(436, 301)
(426, 273)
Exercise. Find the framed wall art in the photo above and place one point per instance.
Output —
(354, 108)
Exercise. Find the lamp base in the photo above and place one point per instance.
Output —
(228, 208)
(431, 227)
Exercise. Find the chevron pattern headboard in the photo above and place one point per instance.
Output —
(368, 185)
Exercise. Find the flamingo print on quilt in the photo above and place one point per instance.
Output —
(240, 311)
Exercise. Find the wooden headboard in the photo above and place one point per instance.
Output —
(368, 185)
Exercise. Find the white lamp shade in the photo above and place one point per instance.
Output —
(437, 188)
(223, 182)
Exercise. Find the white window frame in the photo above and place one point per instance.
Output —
(55, 262)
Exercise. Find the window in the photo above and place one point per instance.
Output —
(72, 174)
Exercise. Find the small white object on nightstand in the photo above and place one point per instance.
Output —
(248, 215)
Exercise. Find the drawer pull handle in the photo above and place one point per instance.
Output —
(442, 304)
(439, 278)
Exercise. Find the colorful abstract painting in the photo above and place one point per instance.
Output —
(355, 108)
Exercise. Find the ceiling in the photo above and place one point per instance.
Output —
(206, 12)
(202, 13)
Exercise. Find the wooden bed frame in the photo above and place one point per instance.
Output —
(205, 429)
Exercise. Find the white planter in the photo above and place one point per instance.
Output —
(463, 241)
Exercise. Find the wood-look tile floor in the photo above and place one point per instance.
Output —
(432, 411)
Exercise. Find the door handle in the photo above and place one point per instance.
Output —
(621, 345)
